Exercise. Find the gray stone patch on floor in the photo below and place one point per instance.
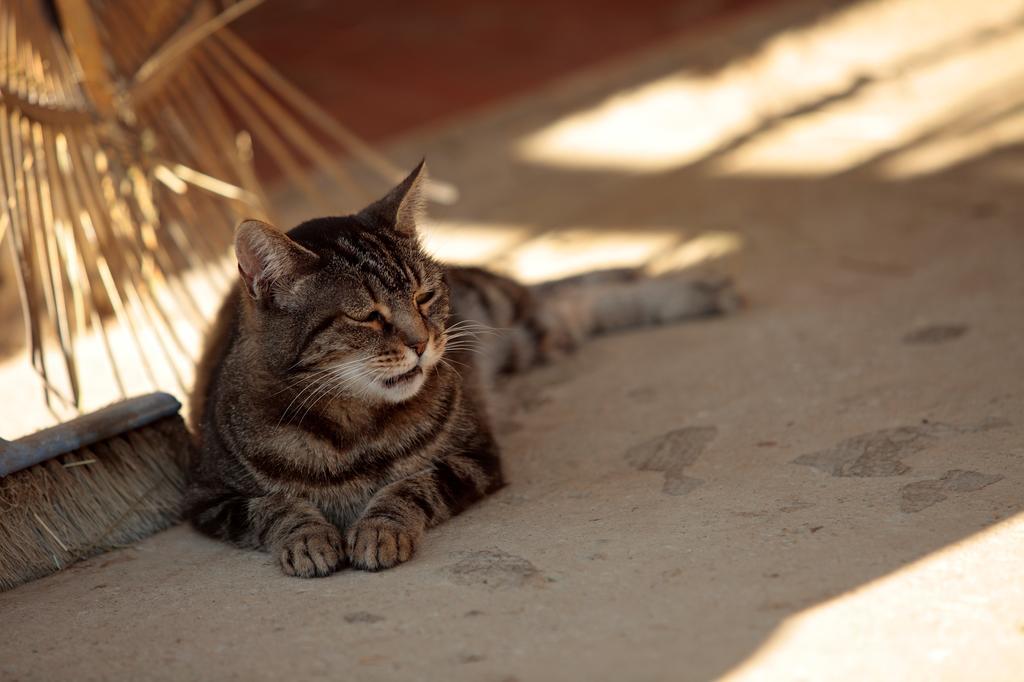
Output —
(671, 453)
(494, 568)
(935, 334)
(643, 394)
(795, 506)
(870, 454)
(878, 453)
(922, 494)
(987, 424)
(362, 617)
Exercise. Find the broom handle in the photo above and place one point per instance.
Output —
(84, 431)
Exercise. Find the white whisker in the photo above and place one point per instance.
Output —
(330, 389)
(320, 379)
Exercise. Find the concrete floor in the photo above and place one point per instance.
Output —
(826, 485)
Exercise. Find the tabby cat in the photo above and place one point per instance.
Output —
(341, 404)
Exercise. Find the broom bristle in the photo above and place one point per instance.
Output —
(90, 500)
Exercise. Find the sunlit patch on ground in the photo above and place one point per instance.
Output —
(470, 243)
(943, 604)
(955, 97)
(550, 255)
(983, 131)
(817, 100)
(702, 248)
(569, 252)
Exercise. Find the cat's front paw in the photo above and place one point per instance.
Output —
(312, 551)
(375, 543)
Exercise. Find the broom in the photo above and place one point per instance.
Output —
(98, 482)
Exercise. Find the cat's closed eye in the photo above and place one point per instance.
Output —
(425, 297)
(373, 317)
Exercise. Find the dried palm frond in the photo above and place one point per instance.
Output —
(127, 138)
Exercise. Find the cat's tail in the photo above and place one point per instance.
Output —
(534, 323)
(577, 308)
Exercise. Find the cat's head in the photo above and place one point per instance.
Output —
(347, 306)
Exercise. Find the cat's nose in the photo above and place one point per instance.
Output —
(419, 346)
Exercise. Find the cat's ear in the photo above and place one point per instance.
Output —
(269, 262)
(403, 206)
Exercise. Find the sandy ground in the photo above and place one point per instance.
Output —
(826, 485)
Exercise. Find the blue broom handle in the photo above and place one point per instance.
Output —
(84, 431)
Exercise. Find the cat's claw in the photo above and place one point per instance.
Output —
(376, 543)
(313, 551)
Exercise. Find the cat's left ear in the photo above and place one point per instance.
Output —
(403, 206)
(270, 263)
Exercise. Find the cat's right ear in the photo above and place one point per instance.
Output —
(401, 208)
(269, 262)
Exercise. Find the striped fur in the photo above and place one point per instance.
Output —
(340, 408)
